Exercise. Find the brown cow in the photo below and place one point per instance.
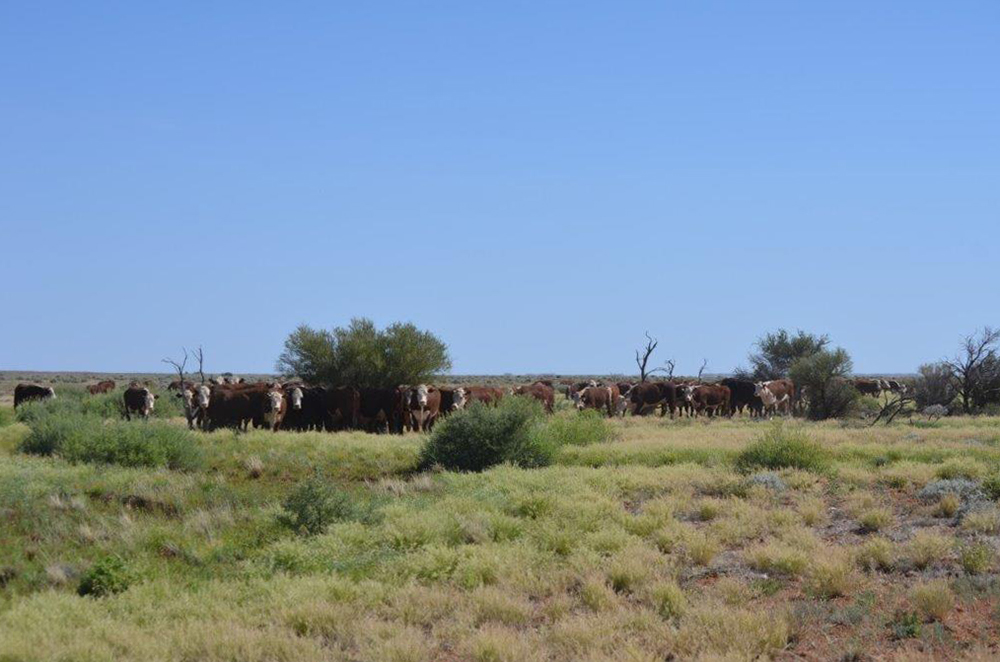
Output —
(776, 394)
(595, 397)
(452, 399)
(712, 399)
(489, 395)
(104, 386)
(196, 398)
(421, 405)
(139, 400)
(540, 391)
(25, 392)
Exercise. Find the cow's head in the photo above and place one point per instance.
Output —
(759, 388)
(273, 401)
(295, 397)
(621, 406)
(420, 395)
(578, 399)
(459, 398)
(188, 395)
(204, 395)
(688, 392)
(52, 392)
(149, 400)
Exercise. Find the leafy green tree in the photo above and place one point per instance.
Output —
(776, 352)
(823, 378)
(362, 355)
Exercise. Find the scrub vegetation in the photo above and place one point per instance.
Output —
(576, 538)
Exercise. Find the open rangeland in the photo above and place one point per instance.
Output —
(714, 539)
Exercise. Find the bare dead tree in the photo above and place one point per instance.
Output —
(189, 413)
(704, 364)
(893, 407)
(643, 361)
(977, 350)
(670, 368)
(200, 356)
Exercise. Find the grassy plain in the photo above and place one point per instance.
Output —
(663, 541)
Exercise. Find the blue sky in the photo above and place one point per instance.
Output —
(538, 183)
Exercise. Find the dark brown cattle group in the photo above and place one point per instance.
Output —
(231, 402)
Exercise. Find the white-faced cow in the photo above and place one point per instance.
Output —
(138, 400)
(777, 395)
(712, 399)
(25, 392)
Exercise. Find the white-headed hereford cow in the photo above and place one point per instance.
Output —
(595, 397)
(452, 399)
(196, 398)
(138, 400)
(25, 392)
(712, 399)
(422, 403)
(776, 394)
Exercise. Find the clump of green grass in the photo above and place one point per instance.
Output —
(81, 438)
(575, 429)
(830, 576)
(875, 519)
(783, 449)
(985, 522)
(875, 554)
(479, 437)
(933, 600)
(108, 576)
(668, 599)
(926, 548)
(976, 558)
(314, 505)
(948, 505)
(779, 558)
(906, 625)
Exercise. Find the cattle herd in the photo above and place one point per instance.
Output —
(234, 403)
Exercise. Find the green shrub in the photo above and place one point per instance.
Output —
(314, 505)
(81, 438)
(976, 558)
(108, 576)
(481, 436)
(782, 449)
(991, 486)
(577, 429)
(6, 416)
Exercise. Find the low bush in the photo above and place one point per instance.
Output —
(314, 505)
(6, 416)
(108, 576)
(782, 449)
(927, 548)
(482, 436)
(81, 438)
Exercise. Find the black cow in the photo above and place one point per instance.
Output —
(742, 397)
(26, 392)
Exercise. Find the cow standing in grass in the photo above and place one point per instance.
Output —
(138, 400)
(25, 392)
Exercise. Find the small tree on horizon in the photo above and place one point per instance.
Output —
(824, 376)
(778, 351)
(362, 355)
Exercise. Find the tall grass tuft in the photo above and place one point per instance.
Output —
(781, 448)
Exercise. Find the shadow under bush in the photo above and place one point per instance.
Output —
(783, 449)
(81, 438)
(481, 436)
